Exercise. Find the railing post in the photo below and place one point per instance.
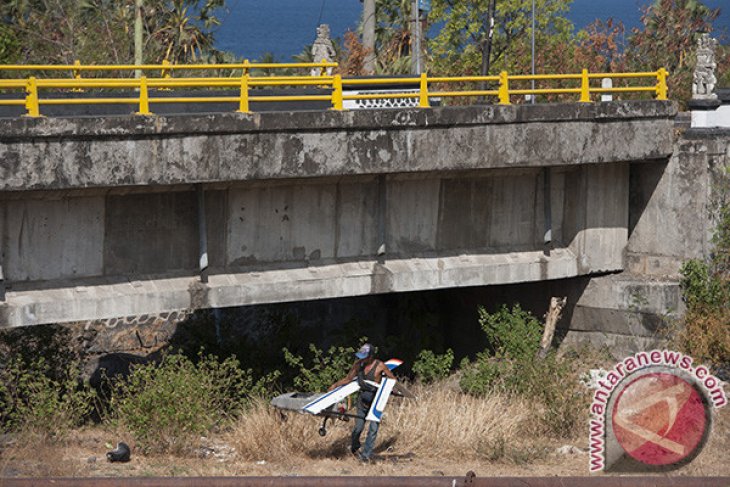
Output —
(337, 101)
(503, 88)
(423, 92)
(31, 98)
(144, 100)
(323, 69)
(77, 72)
(245, 67)
(165, 69)
(77, 75)
(165, 74)
(585, 88)
(243, 104)
(661, 84)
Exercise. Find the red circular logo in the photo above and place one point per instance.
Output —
(660, 419)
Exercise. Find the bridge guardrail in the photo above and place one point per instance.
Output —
(428, 86)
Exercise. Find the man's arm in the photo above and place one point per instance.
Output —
(348, 378)
(384, 370)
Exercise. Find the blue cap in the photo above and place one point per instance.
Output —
(364, 351)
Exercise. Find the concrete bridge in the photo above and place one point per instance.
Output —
(118, 216)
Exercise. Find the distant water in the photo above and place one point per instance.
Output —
(251, 28)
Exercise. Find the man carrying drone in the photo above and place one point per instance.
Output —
(365, 368)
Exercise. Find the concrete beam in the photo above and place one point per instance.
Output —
(64, 153)
(110, 300)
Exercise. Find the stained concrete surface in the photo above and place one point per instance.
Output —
(294, 205)
(314, 239)
(62, 153)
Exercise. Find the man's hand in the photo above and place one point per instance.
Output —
(384, 370)
(350, 376)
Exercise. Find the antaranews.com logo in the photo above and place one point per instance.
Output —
(652, 412)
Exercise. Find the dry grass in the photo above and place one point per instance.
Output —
(435, 435)
(442, 423)
(705, 335)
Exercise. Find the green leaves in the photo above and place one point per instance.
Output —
(101, 31)
(166, 405)
(459, 46)
(512, 333)
(321, 369)
(431, 367)
(34, 397)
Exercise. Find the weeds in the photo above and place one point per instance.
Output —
(35, 397)
(705, 331)
(430, 367)
(168, 405)
(322, 369)
(514, 336)
(511, 333)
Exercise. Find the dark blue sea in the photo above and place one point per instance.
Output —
(251, 28)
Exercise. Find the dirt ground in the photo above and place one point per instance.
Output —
(82, 454)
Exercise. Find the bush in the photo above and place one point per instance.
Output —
(511, 333)
(701, 289)
(168, 405)
(705, 330)
(430, 367)
(481, 377)
(514, 336)
(34, 396)
(705, 335)
(322, 369)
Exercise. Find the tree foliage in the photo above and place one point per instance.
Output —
(102, 31)
(460, 44)
(668, 38)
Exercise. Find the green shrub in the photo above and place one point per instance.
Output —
(34, 396)
(482, 376)
(514, 336)
(701, 289)
(430, 367)
(321, 369)
(511, 333)
(167, 405)
(704, 333)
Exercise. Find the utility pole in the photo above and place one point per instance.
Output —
(416, 38)
(487, 52)
(532, 97)
(368, 35)
(138, 4)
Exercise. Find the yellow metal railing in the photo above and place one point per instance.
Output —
(334, 87)
(165, 68)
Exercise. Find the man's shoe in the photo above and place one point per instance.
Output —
(363, 459)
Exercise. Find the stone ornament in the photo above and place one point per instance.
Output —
(703, 82)
(322, 49)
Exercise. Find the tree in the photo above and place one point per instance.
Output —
(9, 46)
(668, 38)
(462, 44)
(602, 47)
(392, 39)
(100, 31)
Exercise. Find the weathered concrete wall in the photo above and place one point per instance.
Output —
(673, 204)
(63, 153)
(99, 216)
(672, 218)
(123, 252)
